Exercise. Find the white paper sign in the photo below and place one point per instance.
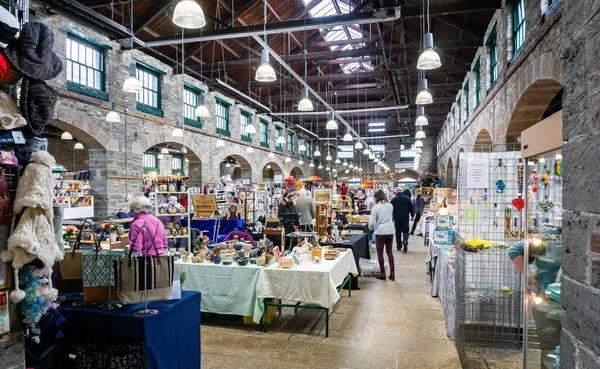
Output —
(478, 173)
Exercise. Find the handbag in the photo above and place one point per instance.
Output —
(136, 276)
(98, 276)
(70, 267)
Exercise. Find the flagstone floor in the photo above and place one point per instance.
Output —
(383, 325)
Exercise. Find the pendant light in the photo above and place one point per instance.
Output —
(202, 109)
(345, 163)
(271, 155)
(338, 161)
(265, 72)
(113, 116)
(421, 118)
(328, 168)
(360, 169)
(160, 156)
(334, 170)
(187, 160)
(188, 14)
(177, 132)
(268, 166)
(305, 104)
(249, 150)
(78, 146)
(280, 140)
(132, 84)
(328, 158)
(371, 156)
(317, 153)
(429, 58)
(424, 96)
(301, 148)
(227, 165)
(420, 134)
(220, 142)
(288, 159)
(347, 171)
(183, 149)
(558, 156)
(418, 150)
(351, 166)
(347, 137)
(419, 143)
(300, 162)
(331, 123)
(250, 129)
(358, 145)
(366, 152)
(376, 161)
(320, 166)
(164, 150)
(311, 165)
(66, 136)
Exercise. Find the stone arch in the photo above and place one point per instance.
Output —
(450, 173)
(406, 173)
(269, 169)
(297, 172)
(91, 136)
(242, 170)
(483, 141)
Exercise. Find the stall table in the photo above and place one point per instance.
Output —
(308, 283)
(444, 285)
(364, 227)
(171, 337)
(226, 289)
(359, 244)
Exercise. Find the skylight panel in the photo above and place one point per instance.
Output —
(376, 129)
(377, 124)
(346, 148)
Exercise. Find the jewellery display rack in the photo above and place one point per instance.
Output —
(248, 199)
(323, 220)
(489, 307)
(157, 207)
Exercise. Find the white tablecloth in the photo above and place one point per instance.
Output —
(226, 289)
(308, 282)
(444, 286)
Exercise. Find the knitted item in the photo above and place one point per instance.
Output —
(37, 104)
(32, 52)
(36, 187)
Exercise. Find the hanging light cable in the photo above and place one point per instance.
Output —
(429, 58)
(305, 104)
(132, 84)
(265, 72)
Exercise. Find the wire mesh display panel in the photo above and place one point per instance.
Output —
(489, 298)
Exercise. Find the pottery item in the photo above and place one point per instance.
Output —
(253, 260)
(238, 246)
(217, 259)
(247, 247)
(186, 258)
(242, 261)
(227, 262)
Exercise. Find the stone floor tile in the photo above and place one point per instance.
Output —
(351, 357)
(433, 329)
(425, 361)
(400, 343)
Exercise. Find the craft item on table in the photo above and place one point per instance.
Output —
(243, 261)
(217, 259)
(499, 175)
(332, 254)
(317, 260)
(225, 262)
(507, 217)
(286, 262)
(10, 117)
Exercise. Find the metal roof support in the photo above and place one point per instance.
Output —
(366, 110)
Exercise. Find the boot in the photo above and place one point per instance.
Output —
(381, 276)
(392, 276)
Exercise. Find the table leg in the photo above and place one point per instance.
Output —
(279, 306)
(264, 316)
(326, 323)
(349, 285)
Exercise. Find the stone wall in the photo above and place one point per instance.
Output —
(580, 341)
(114, 150)
(527, 81)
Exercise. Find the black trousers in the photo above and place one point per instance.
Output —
(401, 232)
(417, 218)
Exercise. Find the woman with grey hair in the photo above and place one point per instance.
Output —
(146, 230)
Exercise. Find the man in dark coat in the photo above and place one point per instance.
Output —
(402, 208)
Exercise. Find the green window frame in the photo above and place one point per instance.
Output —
(85, 66)
(493, 69)
(309, 145)
(245, 121)
(518, 26)
(149, 100)
(278, 133)
(290, 142)
(466, 93)
(177, 165)
(477, 72)
(264, 133)
(150, 160)
(190, 102)
(222, 117)
(459, 114)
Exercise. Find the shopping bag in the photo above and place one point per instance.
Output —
(143, 277)
(71, 271)
(98, 275)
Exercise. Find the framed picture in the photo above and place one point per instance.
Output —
(262, 186)
(322, 195)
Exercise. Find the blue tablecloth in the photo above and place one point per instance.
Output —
(208, 227)
(171, 337)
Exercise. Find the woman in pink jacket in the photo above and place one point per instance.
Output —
(141, 239)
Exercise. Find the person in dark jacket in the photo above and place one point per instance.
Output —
(418, 205)
(407, 193)
(402, 208)
(287, 205)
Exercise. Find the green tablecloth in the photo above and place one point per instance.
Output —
(226, 289)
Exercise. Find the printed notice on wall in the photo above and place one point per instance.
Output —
(4, 318)
(478, 173)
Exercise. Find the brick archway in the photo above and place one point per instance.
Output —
(483, 141)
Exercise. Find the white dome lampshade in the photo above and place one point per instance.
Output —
(268, 166)
(265, 72)
(338, 161)
(328, 168)
(78, 146)
(424, 96)
(347, 138)
(351, 166)
(429, 58)
(249, 150)
(250, 129)
(366, 152)
(164, 150)
(334, 170)
(177, 132)
(311, 165)
(305, 104)
(202, 109)
(280, 140)
(320, 166)
(132, 84)
(113, 116)
(358, 145)
(328, 158)
(317, 153)
(419, 143)
(345, 163)
(220, 142)
(347, 171)
(271, 155)
(188, 14)
(421, 118)
(302, 148)
(420, 134)
(371, 156)
(418, 150)
(66, 136)
(160, 156)
(187, 160)
(376, 161)
(331, 123)
(288, 159)
(227, 165)
(300, 162)
(360, 169)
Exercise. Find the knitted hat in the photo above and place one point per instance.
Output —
(8, 74)
(9, 27)
(36, 186)
(10, 117)
(37, 104)
(32, 52)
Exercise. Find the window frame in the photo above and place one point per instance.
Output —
(519, 26)
(84, 89)
(492, 43)
(141, 106)
(220, 103)
(181, 161)
(459, 120)
(290, 142)
(278, 133)
(264, 133)
(197, 123)
(156, 161)
(466, 93)
(309, 144)
(477, 72)
(244, 115)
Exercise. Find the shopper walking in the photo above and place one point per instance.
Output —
(381, 221)
(144, 240)
(402, 208)
(305, 205)
(418, 205)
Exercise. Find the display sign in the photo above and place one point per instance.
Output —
(4, 318)
(245, 181)
(278, 178)
(404, 165)
(478, 174)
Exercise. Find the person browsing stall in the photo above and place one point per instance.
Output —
(418, 206)
(381, 222)
(305, 205)
(141, 240)
(402, 208)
